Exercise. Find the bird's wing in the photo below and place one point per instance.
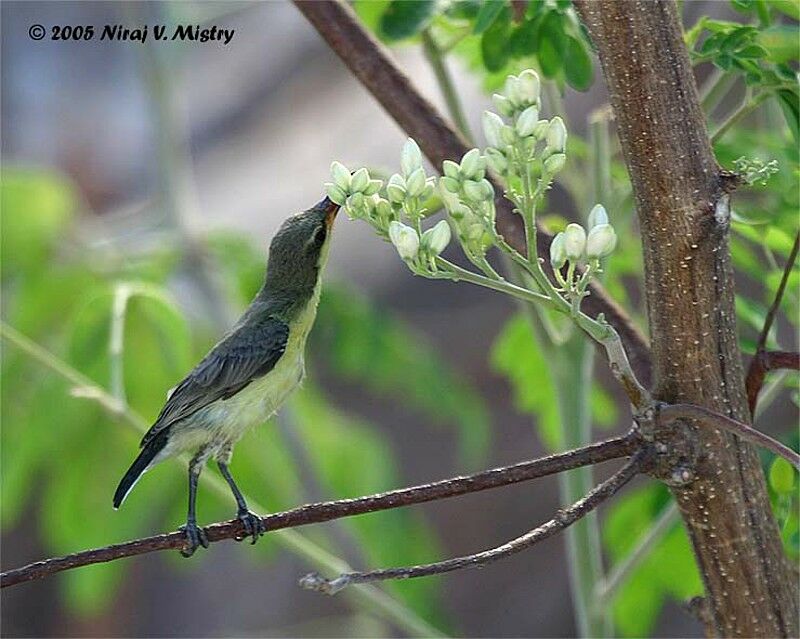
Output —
(238, 359)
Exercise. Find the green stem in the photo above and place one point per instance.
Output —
(714, 89)
(749, 104)
(435, 58)
(374, 598)
(572, 377)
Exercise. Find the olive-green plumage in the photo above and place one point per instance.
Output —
(249, 373)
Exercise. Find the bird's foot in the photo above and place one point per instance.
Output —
(253, 526)
(195, 536)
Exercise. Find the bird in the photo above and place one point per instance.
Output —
(248, 374)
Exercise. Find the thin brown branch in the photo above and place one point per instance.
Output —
(327, 511)
(562, 520)
(371, 64)
(672, 412)
(762, 361)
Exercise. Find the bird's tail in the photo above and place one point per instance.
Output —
(139, 465)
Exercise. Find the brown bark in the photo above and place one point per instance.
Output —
(683, 206)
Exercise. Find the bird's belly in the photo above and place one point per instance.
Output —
(225, 421)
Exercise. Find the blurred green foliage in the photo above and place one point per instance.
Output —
(494, 36)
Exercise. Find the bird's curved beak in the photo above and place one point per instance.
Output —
(330, 209)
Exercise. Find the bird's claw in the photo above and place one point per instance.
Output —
(253, 526)
(195, 536)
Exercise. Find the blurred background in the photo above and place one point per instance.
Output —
(141, 184)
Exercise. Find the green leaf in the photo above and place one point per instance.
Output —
(405, 18)
(489, 12)
(667, 571)
(578, 65)
(782, 42)
(525, 38)
(552, 44)
(781, 476)
(495, 46)
(370, 12)
(516, 355)
(789, 8)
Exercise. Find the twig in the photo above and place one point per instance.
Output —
(327, 511)
(564, 518)
(371, 64)
(740, 429)
(762, 362)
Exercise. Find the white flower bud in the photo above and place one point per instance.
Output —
(410, 157)
(415, 183)
(503, 105)
(488, 189)
(451, 169)
(436, 239)
(601, 241)
(472, 164)
(511, 90)
(356, 203)
(473, 191)
(555, 163)
(405, 240)
(449, 184)
(427, 192)
(556, 135)
(359, 181)
(558, 255)
(540, 130)
(335, 193)
(496, 161)
(528, 86)
(396, 189)
(574, 241)
(527, 121)
(383, 209)
(341, 176)
(597, 216)
(507, 135)
(373, 187)
(492, 124)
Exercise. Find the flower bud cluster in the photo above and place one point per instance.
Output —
(467, 179)
(574, 244)
(405, 194)
(509, 141)
(411, 186)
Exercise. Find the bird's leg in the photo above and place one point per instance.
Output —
(195, 536)
(253, 526)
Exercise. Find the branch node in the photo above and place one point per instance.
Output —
(316, 582)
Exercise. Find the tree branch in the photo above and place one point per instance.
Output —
(562, 520)
(740, 429)
(764, 362)
(327, 511)
(371, 64)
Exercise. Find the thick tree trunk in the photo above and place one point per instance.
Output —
(683, 206)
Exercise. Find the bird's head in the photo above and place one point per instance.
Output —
(300, 248)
